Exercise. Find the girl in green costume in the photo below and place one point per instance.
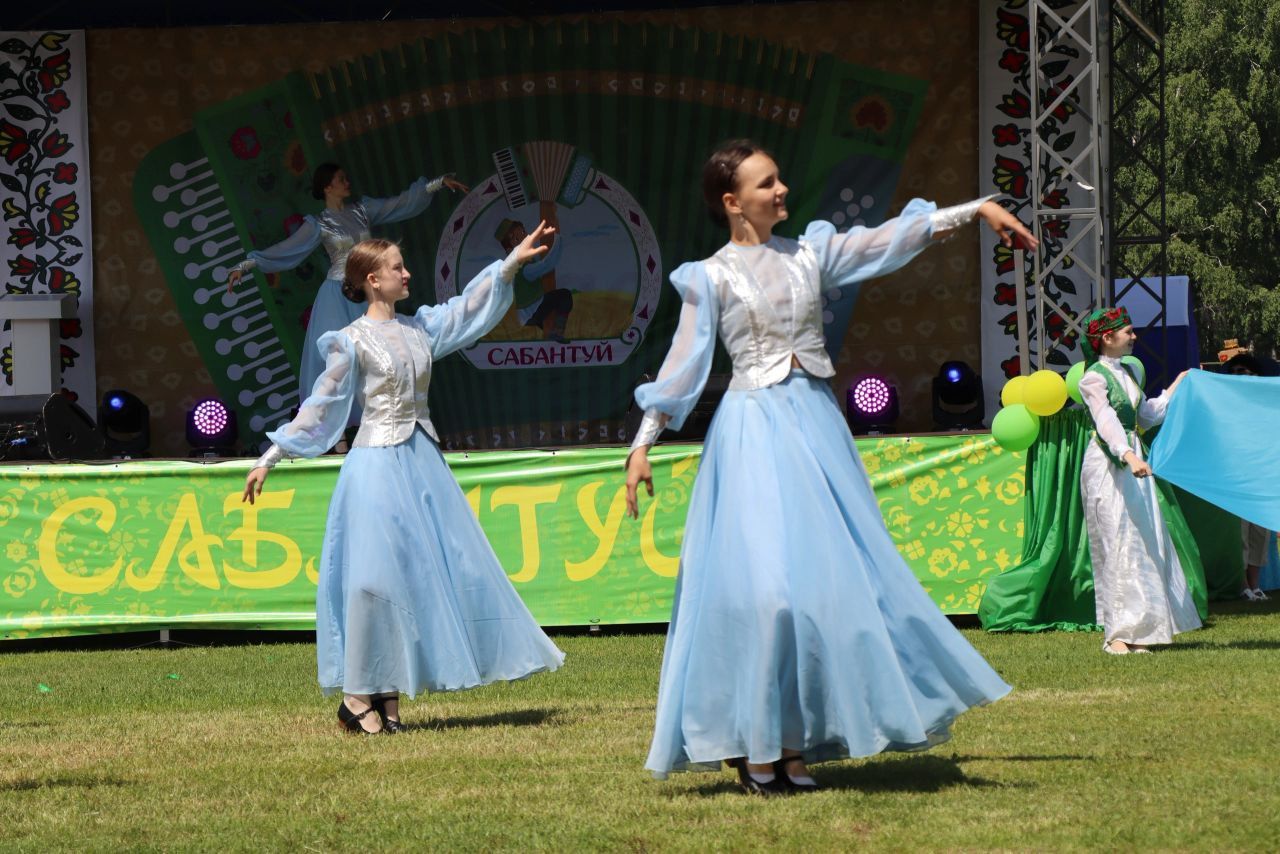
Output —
(1140, 591)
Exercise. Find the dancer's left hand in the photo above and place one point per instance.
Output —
(1008, 228)
(456, 185)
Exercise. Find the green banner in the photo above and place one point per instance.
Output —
(159, 544)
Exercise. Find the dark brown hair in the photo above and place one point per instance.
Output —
(720, 175)
(321, 178)
(365, 258)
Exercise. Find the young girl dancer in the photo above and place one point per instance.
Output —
(1140, 591)
(411, 597)
(798, 633)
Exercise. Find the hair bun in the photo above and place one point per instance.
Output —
(351, 292)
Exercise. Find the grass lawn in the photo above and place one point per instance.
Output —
(233, 748)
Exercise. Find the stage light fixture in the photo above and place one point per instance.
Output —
(211, 429)
(958, 402)
(871, 404)
(125, 424)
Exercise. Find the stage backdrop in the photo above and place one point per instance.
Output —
(44, 191)
(208, 138)
(141, 545)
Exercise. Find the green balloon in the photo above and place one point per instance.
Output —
(1073, 381)
(1015, 427)
(1138, 368)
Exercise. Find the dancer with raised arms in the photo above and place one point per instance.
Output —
(411, 596)
(340, 226)
(798, 634)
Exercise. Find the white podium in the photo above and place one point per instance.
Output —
(34, 319)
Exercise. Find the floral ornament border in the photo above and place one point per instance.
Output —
(39, 212)
(1010, 169)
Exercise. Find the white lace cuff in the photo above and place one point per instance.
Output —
(268, 460)
(245, 266)
(949, 219)
(653, 423)
(435, 185)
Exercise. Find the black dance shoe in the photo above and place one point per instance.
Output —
(780, 770)
(350, 721)
(779, 785)
(390, 726)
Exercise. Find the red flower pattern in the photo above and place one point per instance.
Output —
(14, 141)
(33, 148)
(1056, 199)
(54, 71)
(1011, 176)
(1013, 61)
(57, 102)
(62, 213)
(1015, 105)
(56, 144)
(22, 237)
(1006, 294)
(1006, 134)
(62, 281)
(244, 143)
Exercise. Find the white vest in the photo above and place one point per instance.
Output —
(393, 401)
(761, 338)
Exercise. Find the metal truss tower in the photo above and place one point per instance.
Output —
(1112, 167)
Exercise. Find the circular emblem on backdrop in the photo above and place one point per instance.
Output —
(589, 300)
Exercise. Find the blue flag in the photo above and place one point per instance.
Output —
(1221, 441)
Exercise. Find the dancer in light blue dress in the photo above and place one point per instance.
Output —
(411, 596)
(337, 228)
(798, 633)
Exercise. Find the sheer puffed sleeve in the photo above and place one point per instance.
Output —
(1152, 409)
(1093, 391)
(460, 321)
(323, 415)
(410, 203)
(863, 253)
(286, 254)
(668, 400)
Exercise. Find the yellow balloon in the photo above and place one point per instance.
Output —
(1013, 391)
(1046, 392)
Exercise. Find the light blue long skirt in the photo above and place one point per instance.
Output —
(796, 623)
(330, 312)
(411, 596)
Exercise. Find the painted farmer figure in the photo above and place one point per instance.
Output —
(539, 303)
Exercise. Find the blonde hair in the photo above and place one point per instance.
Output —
(365, 258)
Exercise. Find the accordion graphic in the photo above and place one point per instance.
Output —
(589, 123)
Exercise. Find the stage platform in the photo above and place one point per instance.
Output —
(156, 544)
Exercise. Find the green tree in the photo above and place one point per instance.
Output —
(1223, 112)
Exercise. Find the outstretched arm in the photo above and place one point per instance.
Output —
(285, 255)
(321, 418)
(460, 322)
(413, 201)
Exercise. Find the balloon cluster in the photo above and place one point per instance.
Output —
(1027, 399)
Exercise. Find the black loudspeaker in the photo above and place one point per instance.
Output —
(35, 427)
(695, 426)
